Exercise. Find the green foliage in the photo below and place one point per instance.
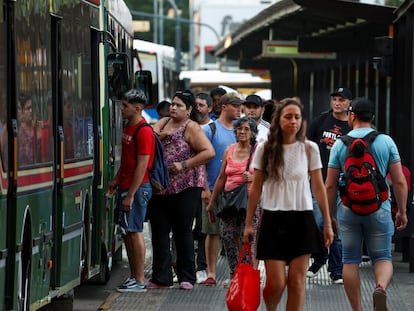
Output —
(395, 3)
(147, 6)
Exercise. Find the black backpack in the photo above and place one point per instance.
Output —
(362, 187)
(158, 175)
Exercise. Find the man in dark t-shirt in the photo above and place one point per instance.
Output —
(325, 130)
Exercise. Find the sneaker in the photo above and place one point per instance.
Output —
(365, 258)
(380, 299)
(127, 282)
(210, 282)
(132, 287)
(226, 283)
(337, 279)
(151, 285)
(186, 285)
(175, 278)
(313, 270)
(201, 276)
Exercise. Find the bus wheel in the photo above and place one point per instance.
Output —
(85, 245)
(25, 269)
(104, 269)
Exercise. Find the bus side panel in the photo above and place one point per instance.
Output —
(34, 209)
(3, 151)
(30, 211)
(73, 230)
(3, 247)
(74, 217)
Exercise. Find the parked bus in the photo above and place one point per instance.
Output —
(60, 145)
(159, 60)
(243, 82)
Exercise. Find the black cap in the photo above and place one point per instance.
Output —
(343, 92)
(254, 99)
(361, 107)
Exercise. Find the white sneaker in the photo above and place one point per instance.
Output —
(175, 278)
(201, 276)
(226, 283)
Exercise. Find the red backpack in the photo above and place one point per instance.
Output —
(362, 187)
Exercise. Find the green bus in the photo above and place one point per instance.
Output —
(60, 131)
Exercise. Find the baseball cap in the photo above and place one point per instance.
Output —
(361, 107)
(254, 99)
(230, 98)
(343, 92)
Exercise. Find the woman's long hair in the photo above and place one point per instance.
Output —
(273, 148)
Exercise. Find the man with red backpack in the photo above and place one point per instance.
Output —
(374, 227)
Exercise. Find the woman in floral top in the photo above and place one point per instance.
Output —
(186, 149)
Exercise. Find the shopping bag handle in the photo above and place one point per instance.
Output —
(246, 247)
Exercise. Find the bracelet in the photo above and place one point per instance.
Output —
(184, 164)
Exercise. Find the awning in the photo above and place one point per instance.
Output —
(317, 25)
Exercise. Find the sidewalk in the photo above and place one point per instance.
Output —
(320, 293)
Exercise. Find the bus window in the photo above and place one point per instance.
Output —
(27, 135)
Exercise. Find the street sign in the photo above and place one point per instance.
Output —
(289, 49)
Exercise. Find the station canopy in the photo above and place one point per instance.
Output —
(318, 28)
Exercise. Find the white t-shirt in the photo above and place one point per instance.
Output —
(262, 132)
(292, 192)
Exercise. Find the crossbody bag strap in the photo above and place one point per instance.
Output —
(252, 148)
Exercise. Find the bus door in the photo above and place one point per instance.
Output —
(76, 134)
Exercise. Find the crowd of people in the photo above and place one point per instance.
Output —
(214, 142)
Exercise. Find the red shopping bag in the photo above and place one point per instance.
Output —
(244, 290)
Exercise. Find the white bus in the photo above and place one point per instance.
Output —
(160, 61)
(243, 82)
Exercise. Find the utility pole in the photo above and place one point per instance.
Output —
(177, 36)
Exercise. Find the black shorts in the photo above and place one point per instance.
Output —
(284, 235)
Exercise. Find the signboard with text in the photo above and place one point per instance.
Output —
(289, 49)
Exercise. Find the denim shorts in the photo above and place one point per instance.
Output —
(133, 220)
(375, 229)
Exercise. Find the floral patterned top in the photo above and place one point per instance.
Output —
(177, 149)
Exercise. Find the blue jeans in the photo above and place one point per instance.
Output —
(375, 230)
(334, 255)
(133, 221)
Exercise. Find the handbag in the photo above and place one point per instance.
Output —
(244, 290)
(230, 202)
(234, 201)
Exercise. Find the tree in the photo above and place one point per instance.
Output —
(147, 6)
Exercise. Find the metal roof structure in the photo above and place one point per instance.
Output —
(344, 27)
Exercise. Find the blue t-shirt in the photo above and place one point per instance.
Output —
(384, 150)
(223, 137)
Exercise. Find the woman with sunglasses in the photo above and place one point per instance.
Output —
(186, 149)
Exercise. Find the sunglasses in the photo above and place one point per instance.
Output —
(187, 94)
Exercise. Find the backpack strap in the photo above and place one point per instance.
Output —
(346, 139)
(213, 128)
(370, 137)
(134, 136)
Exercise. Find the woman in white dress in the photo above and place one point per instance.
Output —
(287, 235)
